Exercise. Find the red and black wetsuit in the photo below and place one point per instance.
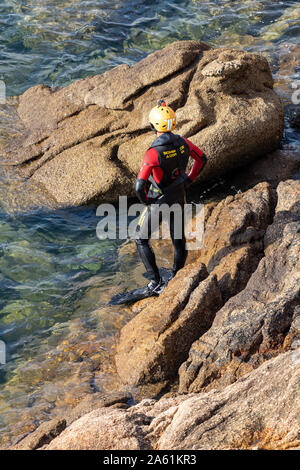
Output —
(164, 165)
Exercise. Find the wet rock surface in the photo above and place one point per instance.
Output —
(47, 431)
(259, 411)
(85, 141)
(43, 435)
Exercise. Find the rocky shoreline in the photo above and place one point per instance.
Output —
(218, 353)
(224, 336)
(257, 412)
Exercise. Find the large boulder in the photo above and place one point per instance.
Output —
(86, 141)
(260, 411)
(261, 320)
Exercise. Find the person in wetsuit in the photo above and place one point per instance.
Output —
(162, 179)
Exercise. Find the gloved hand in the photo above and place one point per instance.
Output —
(187, 182)
(151, 200)
(162, 199)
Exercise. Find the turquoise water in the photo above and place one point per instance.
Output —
(56, 42)
(55, 275)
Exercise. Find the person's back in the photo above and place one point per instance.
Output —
(168, 157)
(162, 179)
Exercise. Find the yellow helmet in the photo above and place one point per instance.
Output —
(162, 118)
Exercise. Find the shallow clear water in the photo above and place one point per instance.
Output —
(55, 275)
(57, 42)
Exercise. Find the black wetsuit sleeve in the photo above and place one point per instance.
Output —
(141, 189)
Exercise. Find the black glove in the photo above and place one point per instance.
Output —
(151, 200)
(187, 182)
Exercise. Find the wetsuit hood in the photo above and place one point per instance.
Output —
(165, 139)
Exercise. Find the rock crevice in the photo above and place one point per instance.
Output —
(254, 325)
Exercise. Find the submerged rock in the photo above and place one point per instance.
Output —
(43, 435)
(86, 141)
(293, 114)
(47, 431)
(260, 411)
(289, 19)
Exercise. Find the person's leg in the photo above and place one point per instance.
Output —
(178, 239)
(142, 236)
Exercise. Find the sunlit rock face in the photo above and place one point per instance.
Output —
(259, 322)
(238, 417)
(86, 141)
